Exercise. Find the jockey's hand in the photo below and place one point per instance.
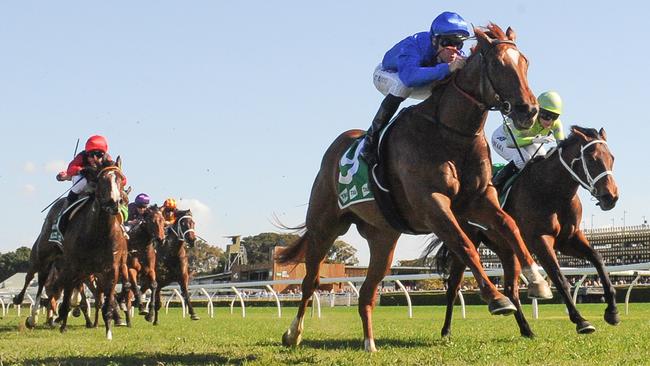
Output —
(62, 176)
(543, 139)
(457, 64)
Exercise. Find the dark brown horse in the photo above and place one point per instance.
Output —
(95, 242)
(172, 264)
(438, 167)
(142, 253)
(44, 253)
(545, 204)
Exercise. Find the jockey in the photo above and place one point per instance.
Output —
(93, 155)
(137, 210)
(411, 66)
(547, 128)
(169, 211)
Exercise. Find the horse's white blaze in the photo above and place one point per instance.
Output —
(115, 190)
(514, 55)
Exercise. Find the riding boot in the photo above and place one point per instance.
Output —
(386, 111)
(58, 227)
(503, 175)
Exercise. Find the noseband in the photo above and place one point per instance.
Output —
(179, 228)
(590, 184)
(504, 106)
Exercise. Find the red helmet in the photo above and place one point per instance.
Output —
(97, 143)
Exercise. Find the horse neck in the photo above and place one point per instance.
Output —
(107, 225)
(551, 176)
(455, 110)
(140, 237)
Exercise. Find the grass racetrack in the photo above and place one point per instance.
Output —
(336, 339)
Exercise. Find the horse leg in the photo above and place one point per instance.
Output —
(68, 288)
(578, 246)
(382, 245)
(133, 270)
(18, 299)
(184, 282)
(511, 272)
(318, 243)
(83, 306)
(158, 305)
(443, 222)
(502, 228)
(127, 287)
(150, 273)
(31, 321)
(548, 259)
(453, 285)
(109, 309)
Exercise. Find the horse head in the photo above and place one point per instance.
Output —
(502, 72)
(591, 164)
(184, 227)
(107, 182)
(155, 223)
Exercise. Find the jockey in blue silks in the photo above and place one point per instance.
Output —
(411, 66)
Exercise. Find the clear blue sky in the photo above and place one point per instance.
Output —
(230, 105)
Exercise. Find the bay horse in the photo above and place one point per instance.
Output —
(142, 252)
(437, 165)
(95, 243)
(544, 202)
(172, 264)
(41, 259)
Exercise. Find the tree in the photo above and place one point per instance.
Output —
(258, 247)
(205, 258)
(342, 252)
(13, 262)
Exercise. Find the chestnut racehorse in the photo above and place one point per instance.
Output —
(437, 165)
(545, 204)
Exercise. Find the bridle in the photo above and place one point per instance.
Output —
(590, 184)
(180, 234)
(505, 107)
(106, 170)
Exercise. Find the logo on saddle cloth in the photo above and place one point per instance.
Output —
(353, 183)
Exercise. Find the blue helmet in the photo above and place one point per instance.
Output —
(448, 23)
(142, 199)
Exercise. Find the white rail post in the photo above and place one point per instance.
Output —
(408, 297)
(629, 291)
(578, 284)
(241, 301)
(462, 303)
(175, 292)
(315, 298)
(534, 301)
(277, 300)
(210, 306)
(31, 303)
(2, 303)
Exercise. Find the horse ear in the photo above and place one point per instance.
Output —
(510, 33)
(602, 134)
(118, 162)
(578, 133)
(484, 41)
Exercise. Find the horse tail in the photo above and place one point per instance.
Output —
(437, 254)
(295, 252)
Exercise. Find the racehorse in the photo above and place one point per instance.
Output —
(544, 202)
(95, 243)
(142, 253)
(437, 165)
(172, 264)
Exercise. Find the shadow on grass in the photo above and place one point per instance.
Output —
(354, 343)
(143, 359)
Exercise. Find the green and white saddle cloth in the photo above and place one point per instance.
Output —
(354, 184)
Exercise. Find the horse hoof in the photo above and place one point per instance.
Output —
(76, 312)
(611, 317)
(90, 325)
(143, 312)
(501, 306)
(195, 317)
(539, 290)
(369, 345)
(528, 334)
(445, 334)
(585, 328)
(63, 329)
(120, 323)
(291, 340)
(30, 323)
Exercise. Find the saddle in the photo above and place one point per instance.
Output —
(58, 228)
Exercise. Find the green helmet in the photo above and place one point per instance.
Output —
(551, 101)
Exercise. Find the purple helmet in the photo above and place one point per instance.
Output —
(142, 199)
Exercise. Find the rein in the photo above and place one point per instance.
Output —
(591, 182)
(179, 228)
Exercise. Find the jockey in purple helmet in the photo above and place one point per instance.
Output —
(410, 67)
(137, 209)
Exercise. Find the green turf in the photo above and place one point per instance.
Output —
(336, 339)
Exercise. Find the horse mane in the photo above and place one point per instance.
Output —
(589, 132)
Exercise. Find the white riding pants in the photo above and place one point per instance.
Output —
(388, 82)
